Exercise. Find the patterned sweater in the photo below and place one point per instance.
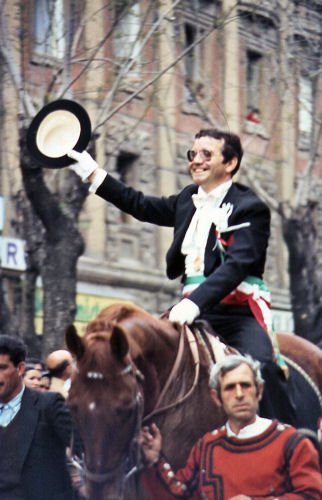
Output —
(280, 464)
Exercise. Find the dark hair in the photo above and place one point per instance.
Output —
(14, 347)
(232, 147)
(31, 367)
(35, 361)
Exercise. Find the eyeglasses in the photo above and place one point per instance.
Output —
(204, 154)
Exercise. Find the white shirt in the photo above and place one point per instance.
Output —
(195, 240)
(258, 427)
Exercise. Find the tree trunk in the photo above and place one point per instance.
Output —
(300, 236)
(9, 323)
(60, 246)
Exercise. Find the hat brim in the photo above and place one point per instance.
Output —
(59, 127)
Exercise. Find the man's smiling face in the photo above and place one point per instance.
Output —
(207, 168)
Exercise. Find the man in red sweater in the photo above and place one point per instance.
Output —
(247, 459)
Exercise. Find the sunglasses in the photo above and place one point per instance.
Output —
(204, 154)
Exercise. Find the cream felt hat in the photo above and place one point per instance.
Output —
(59, 127)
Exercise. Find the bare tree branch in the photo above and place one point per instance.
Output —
(160, 74)
(14, 71)
(106, 105)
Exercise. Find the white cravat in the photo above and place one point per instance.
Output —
(195, 240)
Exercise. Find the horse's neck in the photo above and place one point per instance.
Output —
(188, 398)
(173, 370)
(157, 356)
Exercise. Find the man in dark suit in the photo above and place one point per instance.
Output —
(35, 429)
(221, 232)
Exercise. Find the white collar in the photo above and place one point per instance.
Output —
(254, 429)
(217, 191)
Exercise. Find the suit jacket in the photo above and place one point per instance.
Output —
(244, 256)
(44, 433)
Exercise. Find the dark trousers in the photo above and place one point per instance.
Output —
(238, 328)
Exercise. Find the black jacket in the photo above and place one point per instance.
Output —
(44, 433)
(245, 256)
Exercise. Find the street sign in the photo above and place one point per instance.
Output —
(12, 253)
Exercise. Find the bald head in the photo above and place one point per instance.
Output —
(60, 363)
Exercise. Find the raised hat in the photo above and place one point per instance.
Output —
(59, 127)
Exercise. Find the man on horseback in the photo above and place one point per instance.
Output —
(249, 457)
(221, 232)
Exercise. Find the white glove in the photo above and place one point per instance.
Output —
(85, 165)
(185, 311)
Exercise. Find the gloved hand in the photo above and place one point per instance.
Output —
(85, 165)
(185, 311)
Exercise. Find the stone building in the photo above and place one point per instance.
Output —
(248, 66)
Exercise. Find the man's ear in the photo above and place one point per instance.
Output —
(215, 397)
(21, 367)
(231, 165)
(260, 392)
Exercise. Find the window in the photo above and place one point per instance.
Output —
(193, 64)
(49, 27)
(253, 66)
(255, 96)
(126, 41)
(305, 110)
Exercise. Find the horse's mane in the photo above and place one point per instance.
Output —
(116, 312)
(140, 328)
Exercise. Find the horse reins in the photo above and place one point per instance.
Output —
(193, 344)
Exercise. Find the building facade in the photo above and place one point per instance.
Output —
(150, 76)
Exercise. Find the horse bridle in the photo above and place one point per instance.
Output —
(130, 369)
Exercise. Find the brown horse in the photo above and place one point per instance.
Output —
(132, 369)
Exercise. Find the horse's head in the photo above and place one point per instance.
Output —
(107, 392)
(106, 401)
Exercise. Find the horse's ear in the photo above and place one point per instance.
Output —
(73, 342)
(119, 342)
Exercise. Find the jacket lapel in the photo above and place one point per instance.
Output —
(28, 419)
(181, 232)
(185, 212)
(231, 196)
(212, 247)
